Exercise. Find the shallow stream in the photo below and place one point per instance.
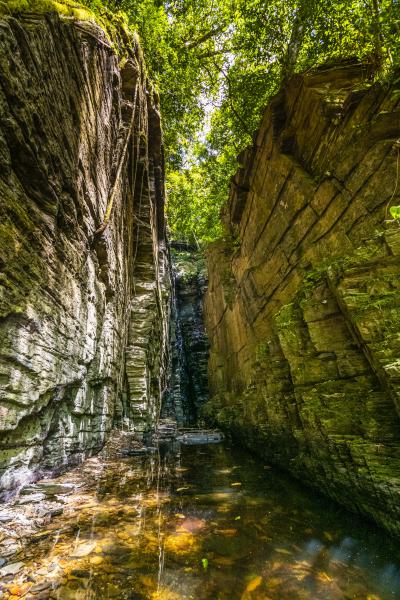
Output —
(205, 523)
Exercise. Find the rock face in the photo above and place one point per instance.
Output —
(80, 150)
(187, 386)
(303, 305)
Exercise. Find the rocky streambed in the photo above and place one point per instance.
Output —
(180, 522)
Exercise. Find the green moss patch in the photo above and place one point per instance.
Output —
(115, 25)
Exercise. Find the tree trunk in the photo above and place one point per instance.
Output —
(295, 42)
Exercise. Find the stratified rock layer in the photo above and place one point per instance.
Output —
(303, 307)
(68, 295)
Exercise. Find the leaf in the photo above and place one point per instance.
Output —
(204, 562)
(254, 584)
(180, 516)
(83, 549)
(227, 532)
(236, 484)
(238, 518)
(395, 212)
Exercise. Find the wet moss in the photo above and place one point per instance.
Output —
(287, 317)
(289, 324)
(64, 7)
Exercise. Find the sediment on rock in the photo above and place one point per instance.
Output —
(302, 310)
(80, 279)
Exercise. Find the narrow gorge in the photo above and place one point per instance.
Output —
(184, 417)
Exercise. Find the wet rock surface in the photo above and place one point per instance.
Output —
(72, 300)
(302, 309)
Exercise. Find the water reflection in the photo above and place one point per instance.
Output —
(203, 523)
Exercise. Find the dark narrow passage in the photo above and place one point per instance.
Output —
(188, 387)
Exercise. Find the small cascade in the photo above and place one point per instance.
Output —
(187, 388)
(176, 400)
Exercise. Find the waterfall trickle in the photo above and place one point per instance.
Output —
(187, 388)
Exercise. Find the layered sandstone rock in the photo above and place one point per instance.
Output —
(303, 307)
(79, 125)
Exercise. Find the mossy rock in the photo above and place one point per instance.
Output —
(114, 25)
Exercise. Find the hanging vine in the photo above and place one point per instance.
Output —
(110, 204)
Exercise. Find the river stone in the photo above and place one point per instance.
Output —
(49, 489)
(80, 573)
(198, 437)
(136, 451)
(40, 587)
(31, 499)
(83, 549)
(11, 569)
(43, 595)
(9, 548)
(55, 512)
(6, 517)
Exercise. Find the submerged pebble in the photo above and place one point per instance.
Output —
(83, 550)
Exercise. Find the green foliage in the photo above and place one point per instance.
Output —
(115, 24)
(263, 44)
(171, 35)
(192, 210)
(287, 316)
(395, 212)
(64, 7)
(189, 265)
(262, 352)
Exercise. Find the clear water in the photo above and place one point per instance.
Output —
(208, 522)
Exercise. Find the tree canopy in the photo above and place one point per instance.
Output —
(218, 62)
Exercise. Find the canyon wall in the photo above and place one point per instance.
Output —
(83, 261)
(303, 306)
